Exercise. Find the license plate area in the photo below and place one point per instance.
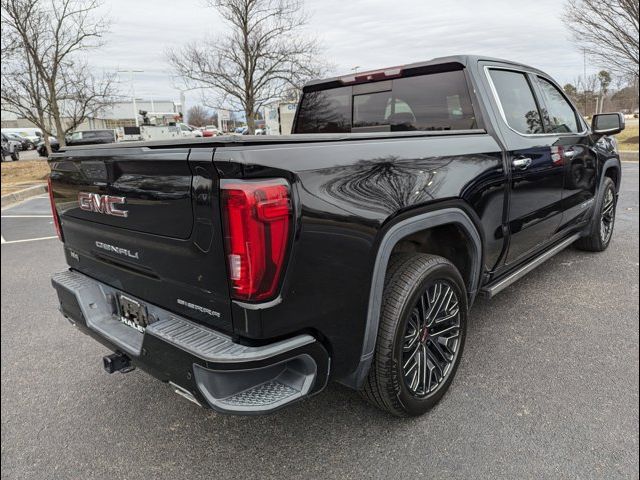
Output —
(133, 313)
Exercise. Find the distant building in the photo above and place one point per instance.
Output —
(279, 116)
(120, 114)
(159, 112)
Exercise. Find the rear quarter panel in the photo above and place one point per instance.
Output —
(345, 193)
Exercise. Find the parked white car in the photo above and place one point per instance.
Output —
(188, 130)
(10, 148)
(33, 134)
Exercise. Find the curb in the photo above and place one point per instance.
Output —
(628, 156)
(15, 197)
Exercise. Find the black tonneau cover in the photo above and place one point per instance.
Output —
(247, 140)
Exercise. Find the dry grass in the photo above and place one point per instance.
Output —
(21, 174)
(628, 139)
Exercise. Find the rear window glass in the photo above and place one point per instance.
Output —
(438, 101)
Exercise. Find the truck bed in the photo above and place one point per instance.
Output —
(240, 140)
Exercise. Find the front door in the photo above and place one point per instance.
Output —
(574, 149)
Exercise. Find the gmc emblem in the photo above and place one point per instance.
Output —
(105, 204)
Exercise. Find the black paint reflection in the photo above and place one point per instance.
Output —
(384, 185)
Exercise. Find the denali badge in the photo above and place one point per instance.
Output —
(105, 204)
(118, 250)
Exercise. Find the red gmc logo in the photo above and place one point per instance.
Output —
(105, 204)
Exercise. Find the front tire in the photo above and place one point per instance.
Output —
(601, 228)
(15, 156)
(423, 322)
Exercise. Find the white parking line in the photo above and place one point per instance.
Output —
(26, 216)
(9, 207)
(7, 242)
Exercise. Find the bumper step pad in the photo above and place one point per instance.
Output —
(266, 394)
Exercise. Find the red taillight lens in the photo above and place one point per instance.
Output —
(257, 225)
(54, 212)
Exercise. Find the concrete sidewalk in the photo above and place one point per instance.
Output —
(18, 196)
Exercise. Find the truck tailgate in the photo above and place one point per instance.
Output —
(146, 222)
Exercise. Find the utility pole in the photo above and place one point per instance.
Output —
(584, 60)
(133, 93)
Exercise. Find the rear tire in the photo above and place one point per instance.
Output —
(601, 228)
(423, 321)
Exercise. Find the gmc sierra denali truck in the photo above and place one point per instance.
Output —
(247, 272)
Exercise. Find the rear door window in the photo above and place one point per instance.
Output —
(559, 115)
(439, 101)
(517, 101)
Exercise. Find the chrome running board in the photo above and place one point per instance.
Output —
(494, 288)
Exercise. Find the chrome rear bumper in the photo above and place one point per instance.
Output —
(198, 361)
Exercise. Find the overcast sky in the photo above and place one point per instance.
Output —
(364, 33)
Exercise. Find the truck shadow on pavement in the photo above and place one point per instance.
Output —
(492, 392)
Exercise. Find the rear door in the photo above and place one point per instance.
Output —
(536, 172)
(146, 221)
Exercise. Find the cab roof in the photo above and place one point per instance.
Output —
(453, 62)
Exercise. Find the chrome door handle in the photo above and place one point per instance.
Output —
(521, 163)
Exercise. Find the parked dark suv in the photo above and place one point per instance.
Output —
(83, 137)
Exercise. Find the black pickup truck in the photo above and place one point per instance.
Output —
(247, 272)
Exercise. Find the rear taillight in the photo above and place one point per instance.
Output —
(54, 212)
(257, 218)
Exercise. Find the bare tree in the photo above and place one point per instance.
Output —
(48, 38)
(264, 54)
(199, 116)
(608, 31)
(571, 91)
(83, 95)
(22, 90)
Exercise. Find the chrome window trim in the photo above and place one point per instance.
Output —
(496, 98)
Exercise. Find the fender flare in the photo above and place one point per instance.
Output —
(608, 165)
(445, 216)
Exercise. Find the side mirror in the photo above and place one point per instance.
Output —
(607, 123)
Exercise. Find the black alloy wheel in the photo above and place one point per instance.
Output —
(431, 339)
(421, 334)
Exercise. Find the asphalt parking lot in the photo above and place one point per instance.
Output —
(547, 388)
